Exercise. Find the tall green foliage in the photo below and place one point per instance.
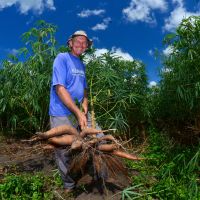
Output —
(118, 90)
(25, 84)
(180, 84)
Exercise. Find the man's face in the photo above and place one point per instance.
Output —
(78, 45)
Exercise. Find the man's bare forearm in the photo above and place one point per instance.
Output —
(66, 99)
(70, 104)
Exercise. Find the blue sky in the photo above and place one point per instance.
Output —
(131, 28)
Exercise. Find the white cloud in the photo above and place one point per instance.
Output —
(100, 52)
(177, 15)
(152, 84)
(13, 51)
(87, 13)
(103, 25)
(122, 54)
(37, 6)
(10, 51)
(116, 51)
(100, 26)
(167, 51)
(142, 10)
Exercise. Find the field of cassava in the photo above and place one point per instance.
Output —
(150, 148)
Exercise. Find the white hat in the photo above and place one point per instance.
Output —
(80, 33)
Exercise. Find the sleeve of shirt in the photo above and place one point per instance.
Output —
(59, 70)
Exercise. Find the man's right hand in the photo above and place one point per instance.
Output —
(82, 120)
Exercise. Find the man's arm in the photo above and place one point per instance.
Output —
(67, 100)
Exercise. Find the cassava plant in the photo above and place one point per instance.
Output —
(117, 91)
(25, 80)
(178, 104)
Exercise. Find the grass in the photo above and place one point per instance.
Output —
(169, 172)
(29, 186)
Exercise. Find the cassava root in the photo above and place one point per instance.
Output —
(68, 135)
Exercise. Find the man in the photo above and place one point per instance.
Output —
(68, 94)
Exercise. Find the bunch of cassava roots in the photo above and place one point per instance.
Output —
(104, 152)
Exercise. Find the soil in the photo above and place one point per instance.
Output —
(17, 156)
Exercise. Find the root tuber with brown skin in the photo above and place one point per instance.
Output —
(125, 155)
(107, 147)
(57, 131)
(92, 131)
(62, 140)
(67, 135)
(74, 141)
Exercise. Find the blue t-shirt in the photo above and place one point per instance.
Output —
(69, 71)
